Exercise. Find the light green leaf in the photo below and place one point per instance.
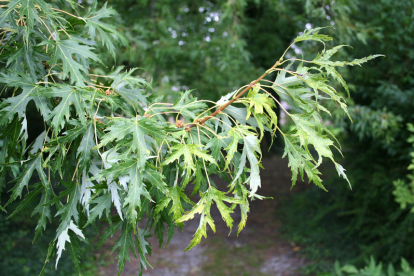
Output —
(203, 208)
(236, 135)
(301, 161)
(187, 151)
(162, 204)
(313, 34)
(64, 237)
(261, 102)
(252, 147)
(307, 133)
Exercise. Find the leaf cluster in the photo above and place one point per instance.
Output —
(114, 150)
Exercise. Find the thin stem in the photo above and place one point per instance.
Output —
(287, 49)
(100, 76)
(281, 106)
(158, 152)
(190, 103)
(97, 85)
(94, 125)
(149, 107)
(204, 162)
(221, 108)
(166, 112)
(68, 14)
(48, 29)
(205, 111)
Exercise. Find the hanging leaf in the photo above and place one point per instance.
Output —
(64, 51)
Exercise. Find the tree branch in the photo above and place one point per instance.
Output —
(221, 108)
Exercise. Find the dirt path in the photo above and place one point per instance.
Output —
(260, 248)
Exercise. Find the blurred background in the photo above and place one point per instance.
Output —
(215, 47)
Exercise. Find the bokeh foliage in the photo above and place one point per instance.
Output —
(368, 221)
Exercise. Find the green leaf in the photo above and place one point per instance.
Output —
(69, 210)
(28, 13)
(86, 145)
(129, 87)
(292, 90)
(307, 133)
(69, 95)
(350, 269)
(236, 134)
(252, 147)
(313, 34)
(6, 15)
(136, 189)
(244, 208)
(301, 161)
(140, 128)
(176, 194)
(216, 145)
(324, 61)
(143, 247)
(18, 104)
(23, 179)
(187, 151)
(106, 31)
(188, 106)
(261, 102)
(43, 210)
(71, 54)
(116, 199)
(341, 172)
(103, 204)
(29, 197)
(124, 244)
(240, 114)
(250, 150)
(64, 237)
(156, 179)
(162, 204)
(203, 208)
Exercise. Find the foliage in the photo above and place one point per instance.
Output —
(367, 221)
(374, 269)
(187, 44)
(21, 256)
(404, 192)
(112, 149)
(201, 44)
